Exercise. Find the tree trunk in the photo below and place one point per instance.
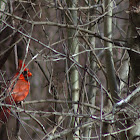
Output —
(73, 75)
(134, 43)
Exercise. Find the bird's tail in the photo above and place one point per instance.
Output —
(5, 111)
(4, 114)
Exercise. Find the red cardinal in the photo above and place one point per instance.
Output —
(17, 91)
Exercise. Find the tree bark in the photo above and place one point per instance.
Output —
(73, 75)
(134, 43)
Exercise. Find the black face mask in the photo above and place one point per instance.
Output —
(25, 74)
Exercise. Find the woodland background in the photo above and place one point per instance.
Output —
(85, 60)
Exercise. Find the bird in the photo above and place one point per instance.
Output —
(16, 91)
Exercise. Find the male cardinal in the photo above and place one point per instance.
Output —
(17, 90)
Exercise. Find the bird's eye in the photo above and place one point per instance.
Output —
(25, 73)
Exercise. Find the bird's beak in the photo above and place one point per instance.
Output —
(29, 74)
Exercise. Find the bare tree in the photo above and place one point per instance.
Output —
(79, 53)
